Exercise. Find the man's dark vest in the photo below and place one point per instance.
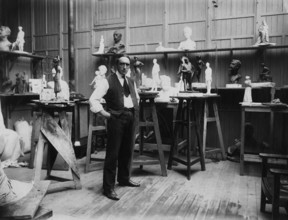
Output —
(115, 95)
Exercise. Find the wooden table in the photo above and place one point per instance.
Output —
(56, 135)
(257, 108)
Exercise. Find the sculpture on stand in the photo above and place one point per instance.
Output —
(101, 46)
(155, 75)
(100, 75)
(61, 88)
(265, 75)
(19, 43)
(208, 78)
(233, 71)
(188, 44)
(186, 71)
(118, 46)
(137, 72)
(248, 90)
(199, 65)
(5, 44)
(263, 38)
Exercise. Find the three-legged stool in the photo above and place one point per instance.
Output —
(212, 99)
(147, 102)
(192, 117)
(99, 130)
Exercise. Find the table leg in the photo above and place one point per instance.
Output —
(242, 141)
(39, 159)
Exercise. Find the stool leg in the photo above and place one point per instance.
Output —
(219, 130)
(158, 139)
(189, 140)
(206, 113)
(39, 159)
(89, 146)
(175, 135)
(200, 148)
(34, 137)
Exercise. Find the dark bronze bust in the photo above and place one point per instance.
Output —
(233, 71)
(118, 47)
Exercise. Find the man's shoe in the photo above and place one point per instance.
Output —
(111, 195)
(129, 183)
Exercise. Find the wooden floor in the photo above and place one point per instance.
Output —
(217, 193)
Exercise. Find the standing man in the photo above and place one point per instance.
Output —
(121, 99)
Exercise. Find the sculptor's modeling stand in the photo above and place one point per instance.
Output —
(58, 140)
(147, 102)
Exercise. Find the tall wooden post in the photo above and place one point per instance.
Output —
(71, 53)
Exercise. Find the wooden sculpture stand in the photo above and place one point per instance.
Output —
(58, 140)
(147, 102)
(192, 120)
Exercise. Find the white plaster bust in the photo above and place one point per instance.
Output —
(188, 44)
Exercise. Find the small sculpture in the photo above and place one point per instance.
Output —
(118, 47)
(263, 38)
(167, 90)
(7, 85)
(186, 71)
(100, 74)
(208, 78)
(20, 40)
(199, 65)
(233, 71)
(138, 72)
(19, 85)
(56, 70)
(5, 44)
(101, 46)
(188, 44)
(155, 75)
(248, 88)
(265, 75)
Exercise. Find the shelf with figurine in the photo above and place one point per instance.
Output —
(9, 53)
(188, 73)
(187, 46)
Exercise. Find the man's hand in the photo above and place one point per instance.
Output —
(105, 114)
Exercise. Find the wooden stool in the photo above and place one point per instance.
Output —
(55, 134)
(212, 100)
(190, 122)
(147, 102)
(98, 131)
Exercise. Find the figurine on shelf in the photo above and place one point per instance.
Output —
(19, 43)
(19, 86)
(7, 85)
(61, 88)
(265, 75)
(101, 46)
(5, 44)
(186, 71)
(208, 78)
(118, 46)
(188, 44)
(233, 71)
(263, 38)
(138, 71)
(100, 75)
(248, 90)
(199, 65)
(155, 75)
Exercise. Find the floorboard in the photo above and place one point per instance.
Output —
(217, 193)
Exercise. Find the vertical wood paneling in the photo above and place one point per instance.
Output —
(53, 16)
(83, 15)
(137, 12)
(40, 14)
(109, 11)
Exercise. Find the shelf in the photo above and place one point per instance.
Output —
(195, 51)
(20, 54)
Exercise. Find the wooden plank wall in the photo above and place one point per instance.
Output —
(145, 23)
(234, 23)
